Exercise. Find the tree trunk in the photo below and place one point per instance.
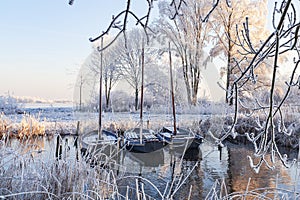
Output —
(107, 98)
(80, 94)
(194, 96)
(196, 72)
(186, 78)
(188, 91)
(108, 88)
(136, 99)
(106, 94)
(229, 97)
(229, 92)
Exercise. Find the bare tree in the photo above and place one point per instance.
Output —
(111, 70)
(83, 85)
(156, 87)
(189, 36)
(131, 59)
(125, 16)
(81, 82)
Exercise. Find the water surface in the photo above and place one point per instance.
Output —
(200, 168)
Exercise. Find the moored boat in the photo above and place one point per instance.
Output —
(141, 140)
(93, 142)
(181, 138)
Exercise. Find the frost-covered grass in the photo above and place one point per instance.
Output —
(25, 175)
(28, 127)
(8, 104)
(287, 132)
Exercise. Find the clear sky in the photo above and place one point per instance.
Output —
(43, 42)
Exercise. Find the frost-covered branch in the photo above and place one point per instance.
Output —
(281, 41)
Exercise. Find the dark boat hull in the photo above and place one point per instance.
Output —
(196, 142)
(149, 142)
(145, 147)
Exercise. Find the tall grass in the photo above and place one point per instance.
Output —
(4, 125)
(29, 127)
(25, 174)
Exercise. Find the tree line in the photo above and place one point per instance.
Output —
(194, 43)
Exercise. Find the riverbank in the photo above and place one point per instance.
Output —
(63, 120)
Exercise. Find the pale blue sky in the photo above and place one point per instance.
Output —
(42, 41)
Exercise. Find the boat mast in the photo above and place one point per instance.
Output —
(172, 92)
(100, 91)
(142, 93)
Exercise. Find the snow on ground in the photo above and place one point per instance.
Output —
(61, 118)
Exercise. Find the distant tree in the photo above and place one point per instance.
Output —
(157, 84)
(131, 59)
(8, 104)
(189, 36)
(122, 101)
(111, 70)
(82, 86)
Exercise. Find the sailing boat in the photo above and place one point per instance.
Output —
(178, 137)
(141, 140)
(99, 141)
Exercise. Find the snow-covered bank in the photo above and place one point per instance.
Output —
(247, 128)
(39, 119)
(209, 122)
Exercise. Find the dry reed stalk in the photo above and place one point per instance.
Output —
(4, 125)
(30, 127)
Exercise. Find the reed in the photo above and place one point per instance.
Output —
(29, 127)
(25, 174)
(4, 125)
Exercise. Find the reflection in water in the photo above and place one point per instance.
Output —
(33, 146)
(243, 177)
(46, 148)
(167, 169)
